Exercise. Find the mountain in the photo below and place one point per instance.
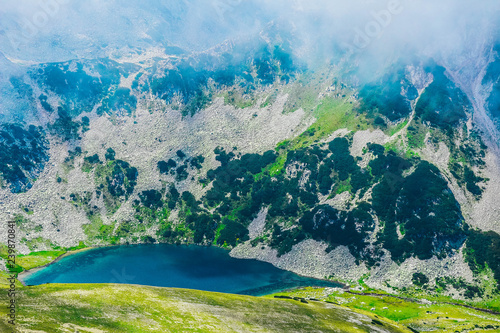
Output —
(377, 163)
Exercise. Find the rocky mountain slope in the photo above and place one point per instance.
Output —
(316, 167)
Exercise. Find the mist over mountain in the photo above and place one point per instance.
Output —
(57, 30)
(371, 35)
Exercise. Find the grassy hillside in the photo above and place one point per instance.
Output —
(123, 308)
(422, 314)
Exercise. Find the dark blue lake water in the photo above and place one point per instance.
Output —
(163, 265)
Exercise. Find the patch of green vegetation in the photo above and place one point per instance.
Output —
(26, 209)
(302, 94)
(419, 279)
(4, 251)
(69, 162)
(422, 202)
(442, 104)
(331, 114)
(416, 133)
(81, 245)
(35, 244)
(389, 97)
(4, 254)
(417, 313)
(343, 187)
(119, 102)
(396, 146)
(98, 232)
(78, 89)
(219, 229)
(23, 223)
(233, 233)
(5, 282)
(277, 167)
(483, 251)
(238, 99)
(108, 308)
(116, 181)
(467, 158)
(165, 230)
(270, 99)
(37, 259)
(65, 126)
(397, 128)
(23, 154)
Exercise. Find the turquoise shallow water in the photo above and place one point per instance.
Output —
(163, 265)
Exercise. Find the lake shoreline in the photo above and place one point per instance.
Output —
(25, 274)
(23, 277)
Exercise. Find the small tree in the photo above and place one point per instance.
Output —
(419, 279)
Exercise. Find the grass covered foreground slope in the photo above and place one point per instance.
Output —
(124, 308)
(422, 314)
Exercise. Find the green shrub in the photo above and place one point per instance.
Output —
(232, 233)
(385, 97)
(419, 279)
(483, 248)
(442, 104)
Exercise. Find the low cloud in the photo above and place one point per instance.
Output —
(55, 30)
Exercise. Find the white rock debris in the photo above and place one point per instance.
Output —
(306, 258)
(256, 227)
